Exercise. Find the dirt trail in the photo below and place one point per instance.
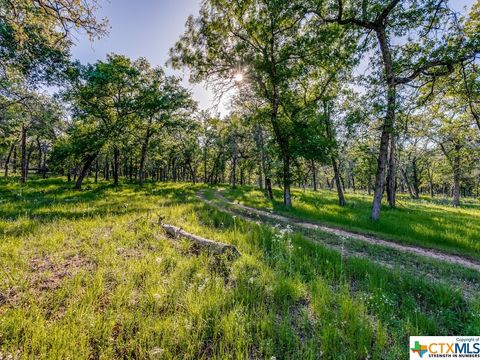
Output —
(433, 254)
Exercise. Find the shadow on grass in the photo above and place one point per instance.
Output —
(40, 201)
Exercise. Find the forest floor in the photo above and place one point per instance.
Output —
(90, 274)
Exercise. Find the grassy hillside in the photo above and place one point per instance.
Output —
(90, 275)
(430, 223)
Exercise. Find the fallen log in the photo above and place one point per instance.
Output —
(210, 245)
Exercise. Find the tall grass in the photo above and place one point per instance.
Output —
(90, 275)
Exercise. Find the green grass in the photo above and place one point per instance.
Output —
(430, 223)
(90, 275)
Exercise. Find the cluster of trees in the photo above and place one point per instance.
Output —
(298, 58)
(375, 95)
(35, 39)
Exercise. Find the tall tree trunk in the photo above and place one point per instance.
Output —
(338, 183)
(430, 182)
(23, 160)
(143, 155)
(314, 176)
(40, 155)
(234, 171)
(287, 198)
(14, 160)
(260, 177)
(387, 127)
(96, 169)
(456, 180)
(261, 152)
(268, 188)
(284, 147)
(7, 160)
(336, 173)
(174, 170)
(409, 187)
(193, 171)
(391, 173)
(329, 184)
(205, 179)
(84, 170)
(416, 181)
(106, 170)
(116, 165)
(29, 156)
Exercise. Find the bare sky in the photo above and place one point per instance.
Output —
(148, 28)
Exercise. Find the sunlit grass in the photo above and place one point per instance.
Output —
(425, 222)
(90, 275)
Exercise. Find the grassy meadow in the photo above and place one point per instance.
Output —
(430, 223)
(90, 274)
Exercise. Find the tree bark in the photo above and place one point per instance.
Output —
(84, 170)
(14, 160)
(287, 197)
(430, 182)
(205, 179)
(281, 139)
(40, 155)
(416, 181)
(116, 165)
(143, 156)
(407, 183)
(391, 174)
(338, 183)
(7, 160)
(456, 180)
(207, 244)
(387, 127)
(96, 169)
(29, 156)
(314, 176)
(268, 188)
(234, 171)
(262, 171)
(106, 170)
(23, 160)
(336, 173)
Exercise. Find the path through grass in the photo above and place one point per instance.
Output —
(429, 223)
